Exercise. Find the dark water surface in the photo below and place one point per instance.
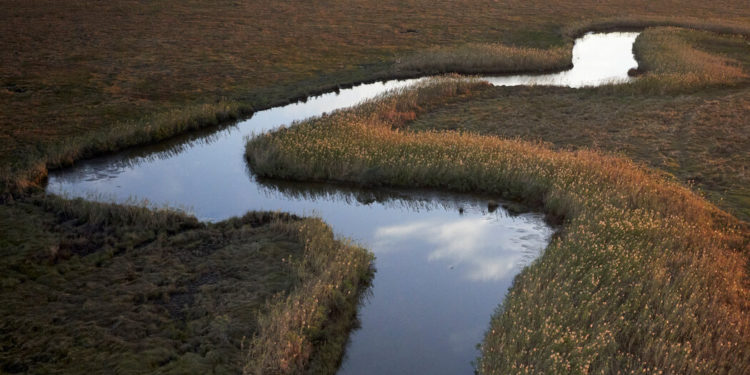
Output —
(444, 261)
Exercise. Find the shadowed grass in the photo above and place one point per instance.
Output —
(645, 277)
(29, 170)
(100, 288)
(314, 321)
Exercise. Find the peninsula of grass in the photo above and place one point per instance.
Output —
(101, 288)
(645, 275)
(686, 115)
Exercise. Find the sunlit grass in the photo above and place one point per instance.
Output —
(645, 276)
(672, 64)
(696, 132)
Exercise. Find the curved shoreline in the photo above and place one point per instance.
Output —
(230, 116)
(19, 180)
(485, 293)
(644, 266)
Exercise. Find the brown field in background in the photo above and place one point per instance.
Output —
(69, 68)
(84, 77)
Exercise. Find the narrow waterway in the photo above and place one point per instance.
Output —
(444, 261)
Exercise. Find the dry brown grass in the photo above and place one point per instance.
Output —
(330, 275)
(698, 133)
(72, 69)
(707, 22)
(673, 64)
(485, 58)
(646, 276)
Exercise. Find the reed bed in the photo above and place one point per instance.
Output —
(710, 24)
(307, 330)
(696, 135)
(86, 68)
(27, 157)
(672, 63)
(645, 277)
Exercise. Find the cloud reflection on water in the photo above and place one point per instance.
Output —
(207, 171)
(473, 246)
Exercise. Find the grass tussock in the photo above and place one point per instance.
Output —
(646, 276)
(672, 63)
(156, 291)
(485, 59)
(307, 330)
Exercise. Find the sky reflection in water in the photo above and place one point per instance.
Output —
(444, 261)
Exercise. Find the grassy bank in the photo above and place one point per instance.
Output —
(673, 61)
(138, 72)
(307, 331)
(645, 277)
(687, 118)
(92, 288)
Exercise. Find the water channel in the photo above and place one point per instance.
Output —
(444, 261)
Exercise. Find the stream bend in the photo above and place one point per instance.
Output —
(444, 260)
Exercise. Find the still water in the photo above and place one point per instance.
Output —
(444, 261)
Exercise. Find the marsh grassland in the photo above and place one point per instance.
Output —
(646, 275)
(686, 115)
(86, 77)
(91, 287)
(649, 180)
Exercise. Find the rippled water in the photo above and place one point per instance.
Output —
(444, 261)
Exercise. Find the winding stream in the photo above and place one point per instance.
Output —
(444, 261)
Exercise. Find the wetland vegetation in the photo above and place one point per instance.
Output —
(646, 276)
(82, 78)
(685, 116)
(649, 180)
(92, 287)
